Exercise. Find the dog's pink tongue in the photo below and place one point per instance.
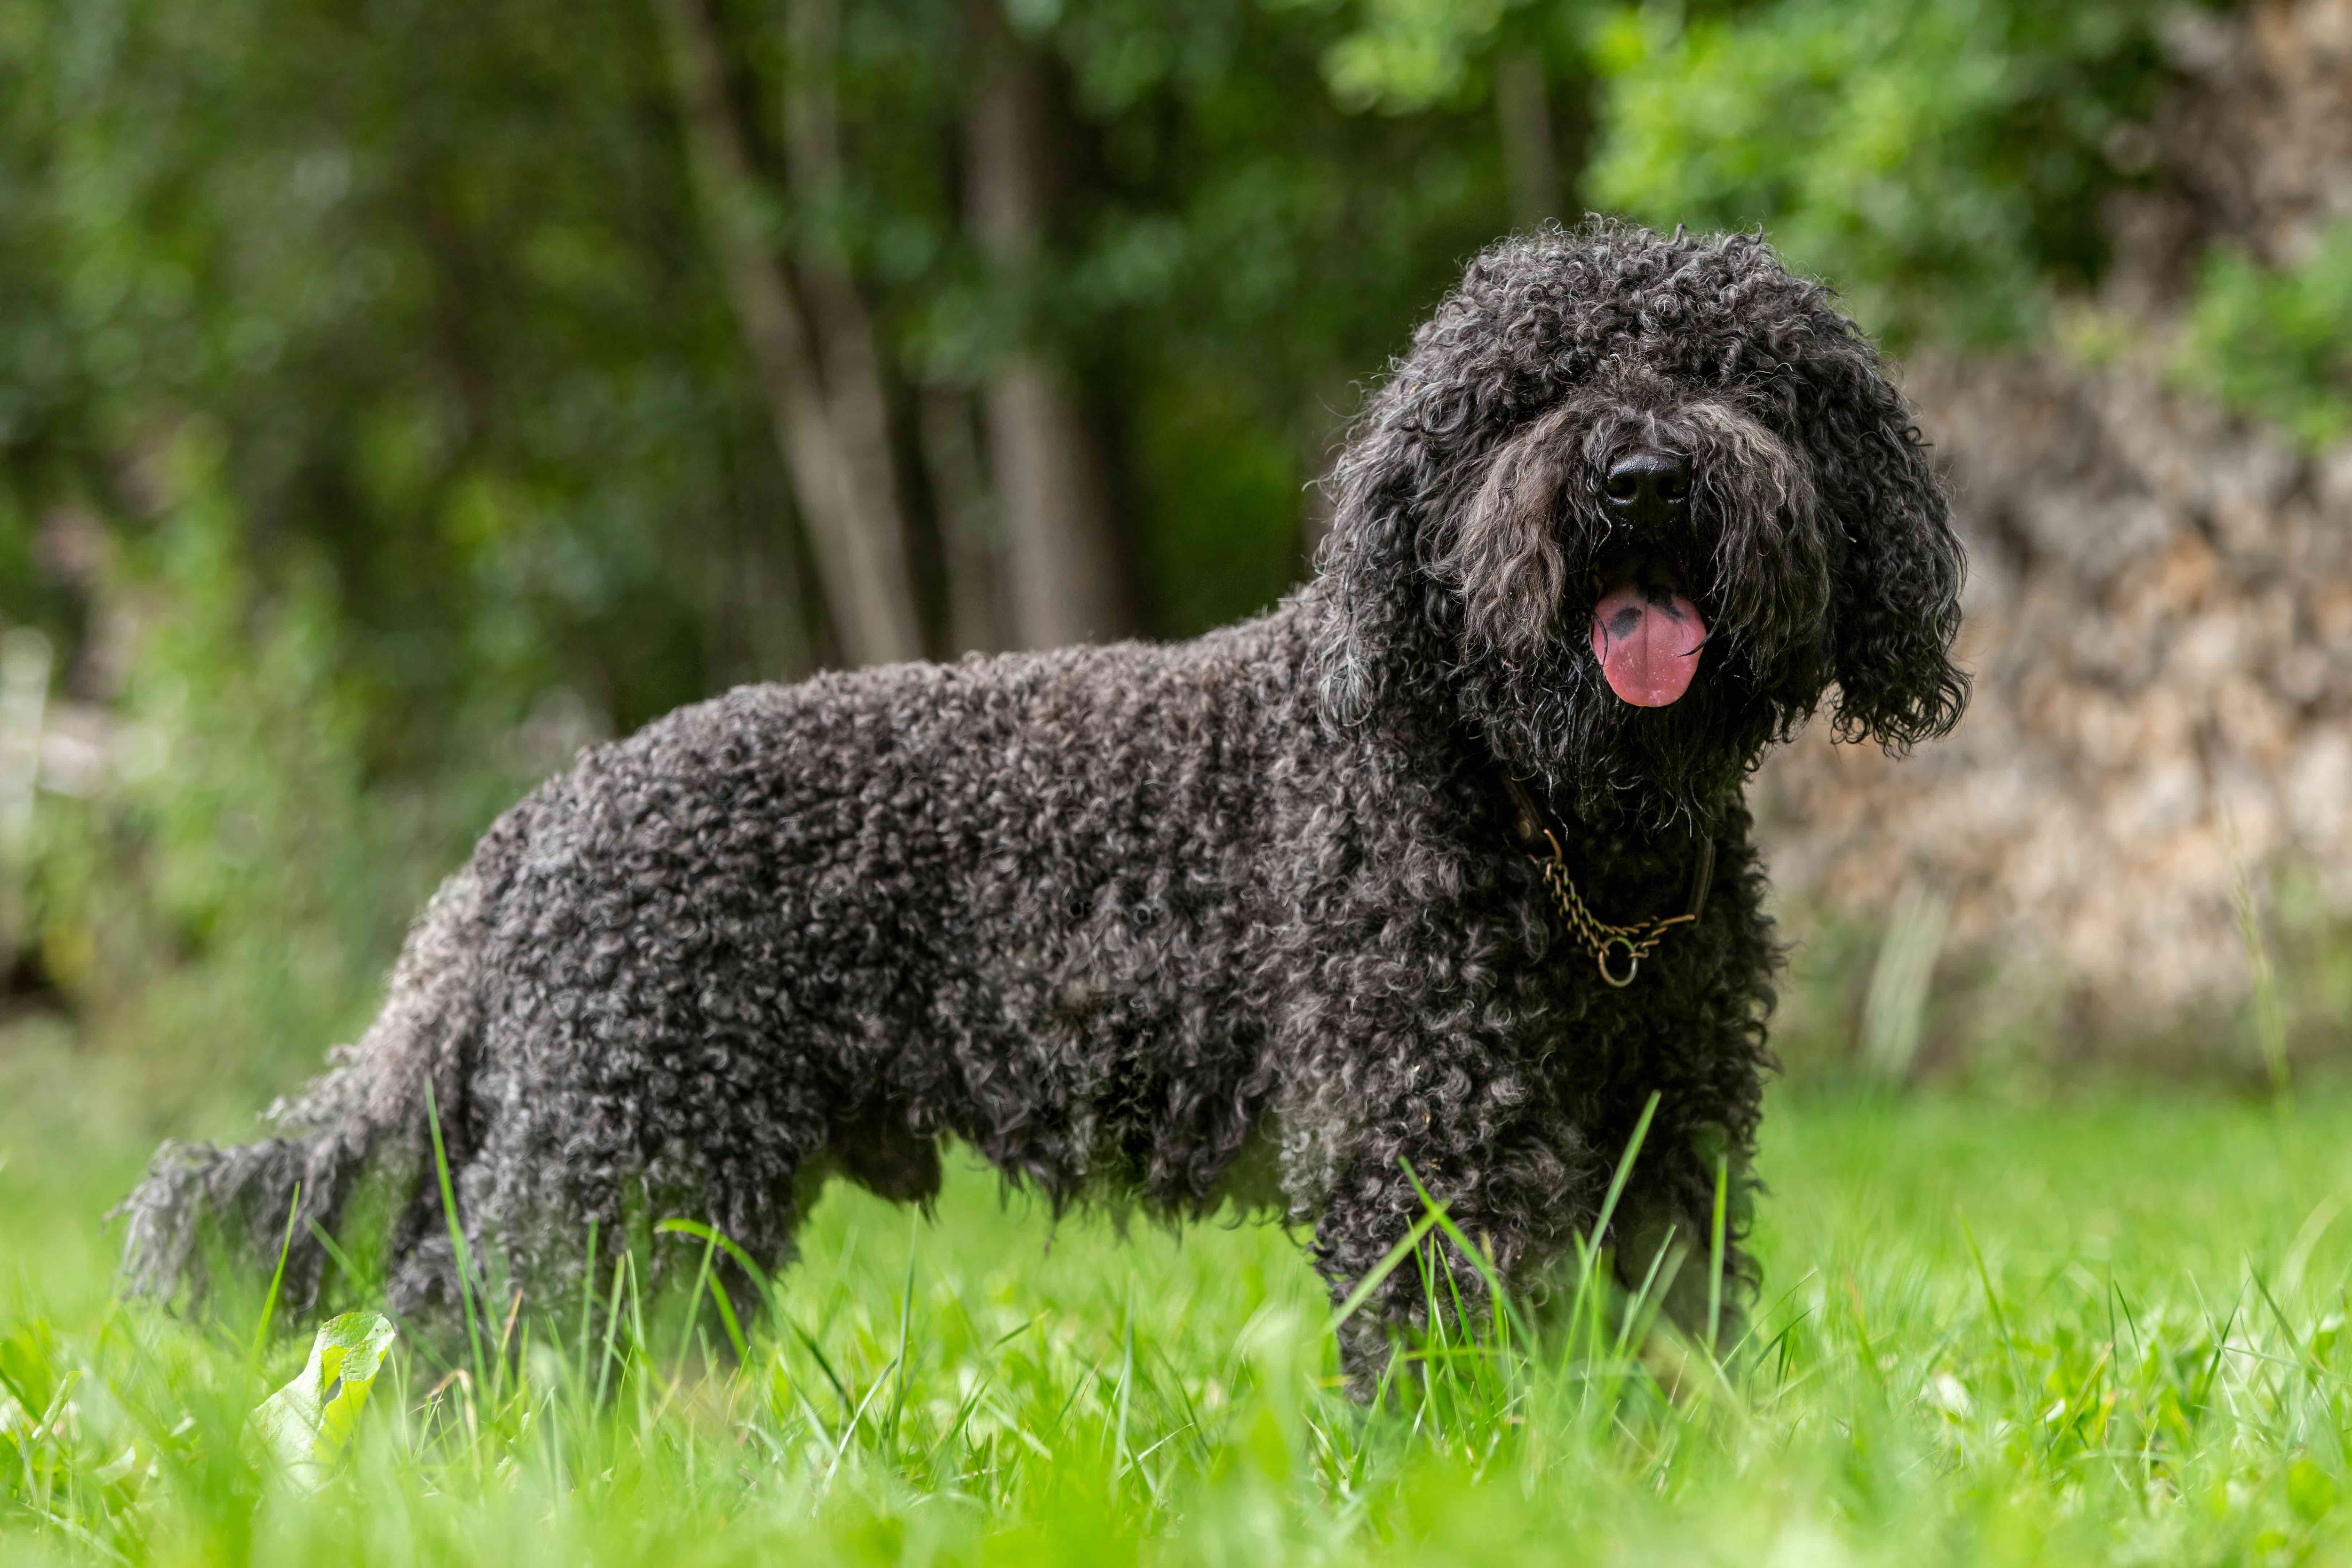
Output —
(1648, 647)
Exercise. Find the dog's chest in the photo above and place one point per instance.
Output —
(1624, 963)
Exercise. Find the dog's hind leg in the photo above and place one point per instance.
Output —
(881, 1153)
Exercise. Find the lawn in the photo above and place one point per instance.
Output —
(2098, 1328)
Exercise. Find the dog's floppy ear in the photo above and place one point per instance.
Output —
(1898, 584)
(1503, 553)
(1360, 566)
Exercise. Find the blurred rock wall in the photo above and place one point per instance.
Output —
(2160, 619)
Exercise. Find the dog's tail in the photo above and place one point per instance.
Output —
(288, 1190)
(281, 1192)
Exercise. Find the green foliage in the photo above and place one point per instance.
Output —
(1409, 54)
(456, 325)
(437, 313)
(1940, 162)
(1988, 1335)
(235, 806)
(233, 863)
(306, 1425)
(2276, 342)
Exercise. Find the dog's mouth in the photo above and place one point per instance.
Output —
(1646, 635)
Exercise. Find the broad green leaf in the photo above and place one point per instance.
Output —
(306, 1424)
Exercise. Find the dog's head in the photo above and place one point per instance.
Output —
(1629, 507)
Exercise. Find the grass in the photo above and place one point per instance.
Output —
(2108, 1330)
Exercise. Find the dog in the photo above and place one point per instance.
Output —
(1428, 881)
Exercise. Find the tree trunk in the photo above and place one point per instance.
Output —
(960, 496)
(1523, 119)
(1062, 551)
(830, 418)
(845, 328)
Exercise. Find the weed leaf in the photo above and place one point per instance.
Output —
(305, 1425)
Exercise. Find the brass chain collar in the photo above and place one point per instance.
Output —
(1627, 945)
(1598, 935)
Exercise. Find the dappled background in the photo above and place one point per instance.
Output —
(397, 395)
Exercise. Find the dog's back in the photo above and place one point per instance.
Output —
(804, 929)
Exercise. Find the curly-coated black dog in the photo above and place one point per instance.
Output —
(1398, 874)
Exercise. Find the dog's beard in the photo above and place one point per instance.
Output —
(1530, 548)
(1552, 719)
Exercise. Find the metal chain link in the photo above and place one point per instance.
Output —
(1598, 934)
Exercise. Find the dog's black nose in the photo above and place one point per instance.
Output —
(1648, 484)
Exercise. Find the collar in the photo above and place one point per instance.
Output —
(1534, 833)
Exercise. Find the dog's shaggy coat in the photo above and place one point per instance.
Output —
(1241, 917)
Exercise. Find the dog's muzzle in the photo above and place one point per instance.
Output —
(1646, 635)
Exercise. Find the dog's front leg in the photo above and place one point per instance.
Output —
(1515, 1197)
(1363, 1221)
(1680, 1231)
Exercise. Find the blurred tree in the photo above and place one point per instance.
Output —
(440, 316)
(819, 368)
(1406, 55)
(1063, 556)
(1942, 162)
(476, 341)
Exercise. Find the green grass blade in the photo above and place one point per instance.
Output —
(1715, 1255)
(1624, 1173)
(1387, 1265)
(464, 1261)
(276, 1279)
